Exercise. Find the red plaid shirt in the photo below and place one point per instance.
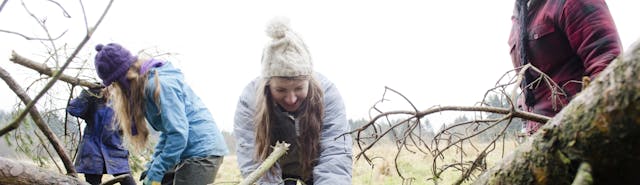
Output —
(568, 39)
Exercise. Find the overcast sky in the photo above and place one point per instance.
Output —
(435, 52)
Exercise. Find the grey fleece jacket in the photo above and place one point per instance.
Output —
(335, 161)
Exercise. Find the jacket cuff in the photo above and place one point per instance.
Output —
(154, 178)
(147, 181)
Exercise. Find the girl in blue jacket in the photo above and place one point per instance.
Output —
(191, 147)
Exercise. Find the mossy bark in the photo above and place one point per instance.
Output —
(600, 127)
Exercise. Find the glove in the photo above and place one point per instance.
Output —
(283, 127)
(143, 175)
(88, 96)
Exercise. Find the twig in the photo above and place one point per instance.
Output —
(37, 118)
(32, 38)
(64, 12)
(30, 104)
(43, 25)
(583, 176)
(46, 149)
(278, 151)
(2, 5)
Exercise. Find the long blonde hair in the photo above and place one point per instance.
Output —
(310, 123)
(129, 105)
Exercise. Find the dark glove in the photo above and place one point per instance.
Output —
(94, 95)
(96, 91)
(88, 97)
(143, 175)
(283, 127)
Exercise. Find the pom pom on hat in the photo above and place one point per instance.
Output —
(112, 63)
(277, 27)
(285, 55)
(99, 47)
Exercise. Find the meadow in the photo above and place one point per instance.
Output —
(383, 171)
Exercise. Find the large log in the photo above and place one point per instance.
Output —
(17, 173)
(599, 128)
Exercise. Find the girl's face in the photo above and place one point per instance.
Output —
(289, 93)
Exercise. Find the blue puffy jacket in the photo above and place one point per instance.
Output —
(101, 146)
(186, 126)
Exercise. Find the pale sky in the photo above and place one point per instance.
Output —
(435, 52)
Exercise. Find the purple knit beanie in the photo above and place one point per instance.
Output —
(112, 63)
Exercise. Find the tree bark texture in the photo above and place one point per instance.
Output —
(18, 173)
(599, 127)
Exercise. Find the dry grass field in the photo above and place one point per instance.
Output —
(383, 171)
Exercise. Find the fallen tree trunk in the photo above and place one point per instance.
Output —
(600, 128)
(12, 172)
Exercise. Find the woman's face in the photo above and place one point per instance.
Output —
(289, 93)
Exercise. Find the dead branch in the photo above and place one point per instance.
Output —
(412, 120)
(64, 12)
(46, 149)
(418, 115)
(600, 127)
(56, 75)
(31, 38)
(278, 151)
(37, 118)
(2, 5)
(30, 104)
(43, 69)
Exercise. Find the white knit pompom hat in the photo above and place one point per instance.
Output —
(285, 55)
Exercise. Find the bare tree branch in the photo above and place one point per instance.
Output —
(2, 5)
(43, 69)
(30, 104)
(64, 12)
(411, 121)
(278, 151)
(56, 76)
(35, 115)
(46, 149)
(599, 128)
(32, 38)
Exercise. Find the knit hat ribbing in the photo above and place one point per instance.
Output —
(285, 55)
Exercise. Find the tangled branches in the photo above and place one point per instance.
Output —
(495, 117)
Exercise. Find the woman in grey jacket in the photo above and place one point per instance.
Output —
(292, 103)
